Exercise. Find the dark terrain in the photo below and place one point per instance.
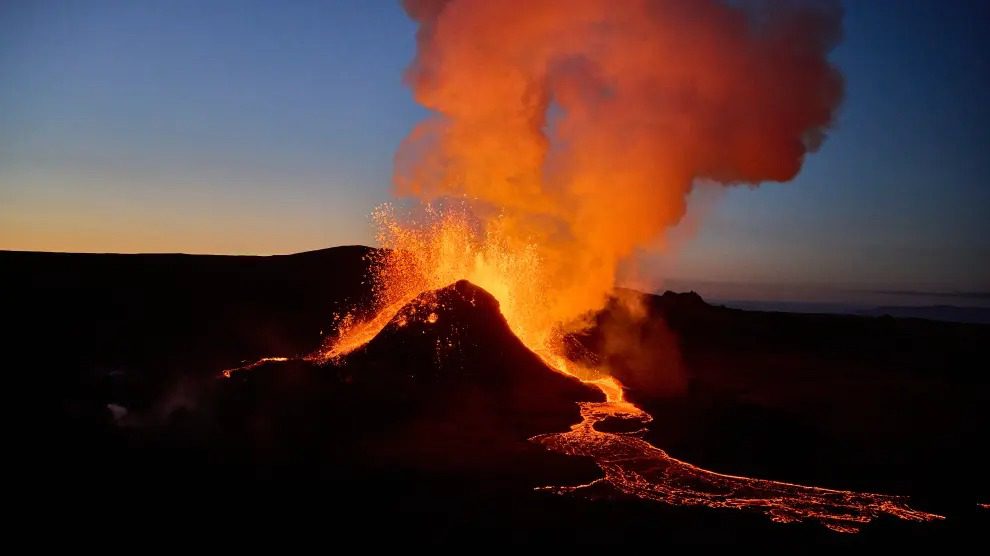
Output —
(427, 443)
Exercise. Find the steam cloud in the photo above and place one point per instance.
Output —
(582, 125)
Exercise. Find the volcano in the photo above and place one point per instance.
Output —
(445, 426)
(445, 385)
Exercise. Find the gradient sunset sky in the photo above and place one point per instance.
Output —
(265, 127)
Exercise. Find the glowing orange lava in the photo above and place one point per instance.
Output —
(634, 467)
(227, 373)
(424, 258)
(447, 246)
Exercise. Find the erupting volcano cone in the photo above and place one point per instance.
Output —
(445, 384)
(457, 335)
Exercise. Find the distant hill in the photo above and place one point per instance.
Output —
(948, 313)
(945, 313)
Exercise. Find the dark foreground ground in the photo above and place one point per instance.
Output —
(130, 430)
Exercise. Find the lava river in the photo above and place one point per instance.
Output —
(634, 467)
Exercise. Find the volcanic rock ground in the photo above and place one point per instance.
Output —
(424, 432)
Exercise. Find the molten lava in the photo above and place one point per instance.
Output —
(634, 467)
(447, 246)
(227, 373)
(422, 259)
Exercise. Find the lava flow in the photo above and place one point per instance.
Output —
(631, 465)
(634, 467)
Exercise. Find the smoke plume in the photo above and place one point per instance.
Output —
(579, 127)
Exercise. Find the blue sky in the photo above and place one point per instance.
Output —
(268, 127)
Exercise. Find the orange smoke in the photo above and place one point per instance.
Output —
(568, 134)
(576, 129)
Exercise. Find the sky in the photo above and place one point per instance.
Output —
(247, 127)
